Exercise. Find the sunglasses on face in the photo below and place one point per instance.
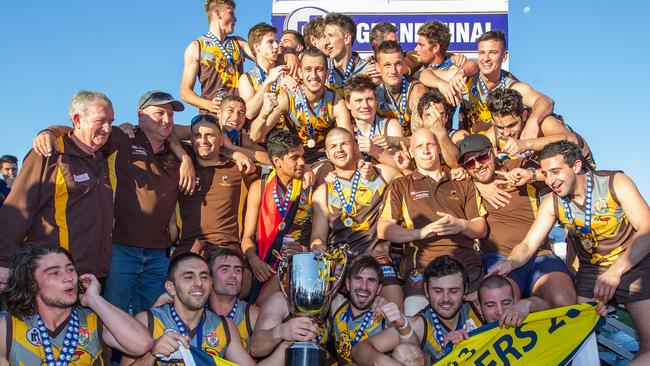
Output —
(157, 97)
(481, 159)
(203, 117)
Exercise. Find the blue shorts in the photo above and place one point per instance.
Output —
(527, 275)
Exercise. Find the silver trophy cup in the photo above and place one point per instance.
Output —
(307, 281)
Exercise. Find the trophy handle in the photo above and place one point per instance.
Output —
(282, 271)
(338, 282)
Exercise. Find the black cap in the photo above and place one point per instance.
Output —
(158, 97)
(474, 143)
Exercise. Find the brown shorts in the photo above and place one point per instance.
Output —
(389, 271)
(414, 280)
(634, 286)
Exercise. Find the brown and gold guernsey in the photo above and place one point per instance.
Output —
(610, 232)
(388, 107)
(301, 115)
(212, 212)
(215, 71)
(215, 334)
(414, 202)
(476, 117)
(361, 237)
(26, 349)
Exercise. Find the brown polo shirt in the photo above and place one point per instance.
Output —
(146, 189)
(413, 201)
(213, 211)
(63, 200)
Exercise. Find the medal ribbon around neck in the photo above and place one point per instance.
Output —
(484, 88)
(364, 324)
(348, 70)
(400, 110)
(567, 209)
(358, 133)
(438, 334)
(183, 331)
(443, 65)
(233, 136)
(284, 205)
(228, 50)
(263, 76)
(233, 311)
(69, 342)
(347, 205)
(309, 111)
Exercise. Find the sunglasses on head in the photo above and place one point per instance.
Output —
(203, 117)
(157, 97)
(481, 159)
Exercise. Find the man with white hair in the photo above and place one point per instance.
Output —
(53, 195)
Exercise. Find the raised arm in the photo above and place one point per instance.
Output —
(188, 80)
(273, 108)
(536, 235)
(541, 106)
(342, 115)
(121, 331)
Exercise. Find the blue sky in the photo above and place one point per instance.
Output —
(587, 56)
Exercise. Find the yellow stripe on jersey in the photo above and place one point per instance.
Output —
(532, 195)
(112, 175)
(60, 205)
(179, 220)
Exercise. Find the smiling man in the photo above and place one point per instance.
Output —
(186, 322)
(609, 226)
(54, 310)
(53, 196)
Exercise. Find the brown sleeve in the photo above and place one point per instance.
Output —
(392, 206)
(116, 139)
(473, 206)
(33, 188)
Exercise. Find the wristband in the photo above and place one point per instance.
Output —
(406, 336)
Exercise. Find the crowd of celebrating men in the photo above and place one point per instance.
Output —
(126, 242)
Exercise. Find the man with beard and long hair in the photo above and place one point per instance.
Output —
(445, 286)
(609, 227)
(186, 321)
(57, 316)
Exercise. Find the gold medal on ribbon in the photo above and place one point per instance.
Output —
(311, 143)
(348, 222)
(282, 225)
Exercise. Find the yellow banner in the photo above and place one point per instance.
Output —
(546, 338)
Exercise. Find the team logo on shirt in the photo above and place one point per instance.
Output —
(212, 340)
(601, 207)
(453, 195)
(469, 325)
(84, 336)
(33, 336)
(419, 194)
(138, 150)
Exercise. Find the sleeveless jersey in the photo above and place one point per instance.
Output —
(26, 347)
(360, 67)
(215, 335)
(361, 237)
(255, 78)
(469, 319)
(243, 322)
(215, 72)
(389, 108)
(611, 232)
(299, 118)
(345, 328)
(477, 118)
